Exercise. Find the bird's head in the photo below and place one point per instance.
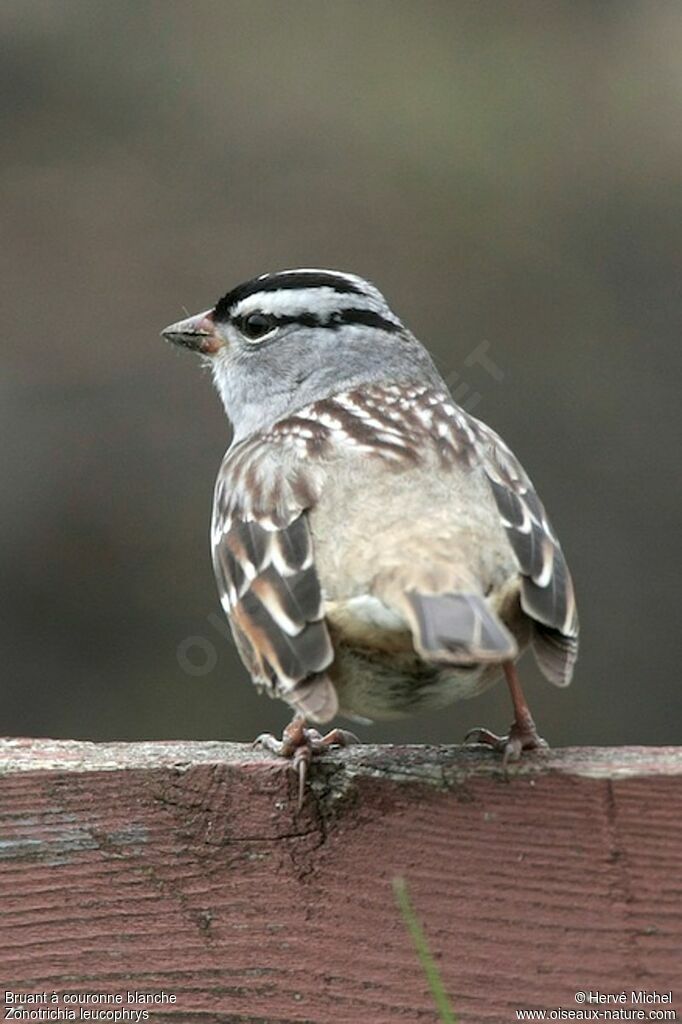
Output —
(282, 340)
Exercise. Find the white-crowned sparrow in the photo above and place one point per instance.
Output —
(377, 549)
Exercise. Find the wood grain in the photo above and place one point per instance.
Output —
(185, 868)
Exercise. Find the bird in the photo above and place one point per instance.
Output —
(378, 550)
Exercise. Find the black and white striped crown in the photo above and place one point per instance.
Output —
(311, 298)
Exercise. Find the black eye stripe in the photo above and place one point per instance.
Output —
(341, 318)
(367, 318)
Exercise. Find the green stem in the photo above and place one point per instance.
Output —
(413, 926)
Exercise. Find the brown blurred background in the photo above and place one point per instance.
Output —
(506, 173)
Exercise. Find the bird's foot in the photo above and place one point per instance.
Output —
(522, 736)
(300, 743)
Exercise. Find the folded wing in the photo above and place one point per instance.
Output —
(547, 594)
(264, 567)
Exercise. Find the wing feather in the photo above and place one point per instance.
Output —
(268, 585)
(547, 593)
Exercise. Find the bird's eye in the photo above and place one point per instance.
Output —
(255, 325)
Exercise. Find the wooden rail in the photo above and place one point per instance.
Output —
(181, 873)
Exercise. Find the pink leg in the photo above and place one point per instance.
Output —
(523, 734)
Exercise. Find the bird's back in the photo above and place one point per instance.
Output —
(441, 525)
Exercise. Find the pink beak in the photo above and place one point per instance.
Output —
(197, 333)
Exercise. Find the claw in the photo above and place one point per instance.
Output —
(520, 738)
(300, 764)
(483, 736)
(300, 744)
(268, 742)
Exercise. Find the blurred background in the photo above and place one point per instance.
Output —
(508, 175)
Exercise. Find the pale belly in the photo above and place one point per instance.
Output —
(374, 686)
(378, 674)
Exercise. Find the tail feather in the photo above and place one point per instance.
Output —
(458, 628)
(315, 697)
(555, 653)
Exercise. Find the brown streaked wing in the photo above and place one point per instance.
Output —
(547, 593)
(269, 588)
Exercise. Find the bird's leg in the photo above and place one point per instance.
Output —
(300, 743)
(523, 734)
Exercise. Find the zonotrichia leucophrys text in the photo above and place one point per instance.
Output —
(377, 549)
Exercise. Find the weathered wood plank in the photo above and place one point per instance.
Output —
(184, 868)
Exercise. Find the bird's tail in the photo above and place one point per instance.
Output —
(457, 628)
(449, 625)
(315, 697)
